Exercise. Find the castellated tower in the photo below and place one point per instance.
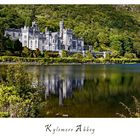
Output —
(35, 26)
(61, 26)
(25, 36)
(48, 38)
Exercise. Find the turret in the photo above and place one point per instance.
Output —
(46, 30)
(61, 26)
(35, 26)
(33, 32)
(25, 36)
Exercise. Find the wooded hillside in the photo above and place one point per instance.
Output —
(105, 27)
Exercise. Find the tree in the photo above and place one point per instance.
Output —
(89, 55)
(8, 44)
(26, 52)
(18, 98)
(11, 46)
(128, 45)
(136, 47)
(33, 13)
(103, 38)
(115, 54)
(1, 41)
(111, 27)
(17, 47)
(116, 42)
(16, 76)
(28, 21)
(8, 53)
(129, 55)
(14, 105)
(116, 45)
(96, 45)
(36, 53)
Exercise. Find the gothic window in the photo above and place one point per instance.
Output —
(13, 34)
(25, 42)
(79, 44)
(74, 44)
(55, 37)
(25, 36)
(53, 40)
(47, 40)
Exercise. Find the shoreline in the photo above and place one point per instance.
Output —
(6, 60)
(50, 64)
(59, 64)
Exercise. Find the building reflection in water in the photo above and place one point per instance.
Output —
(59, 83)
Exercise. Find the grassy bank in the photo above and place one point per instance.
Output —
(13, 59)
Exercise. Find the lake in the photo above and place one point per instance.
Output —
(86, 90)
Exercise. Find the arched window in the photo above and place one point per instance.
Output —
(13, 34)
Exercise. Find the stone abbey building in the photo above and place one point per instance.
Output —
(32, 38)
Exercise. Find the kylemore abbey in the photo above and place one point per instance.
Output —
(32, 38)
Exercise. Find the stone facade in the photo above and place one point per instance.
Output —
(32, 38)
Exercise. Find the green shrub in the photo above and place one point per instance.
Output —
(26, 52)
(64, 53)
(115, 54)
(129, 55)
(132, 112)
(77, 56)
(48, 54)
(8, 53)
(18, 98)
(89, 55)
(12, 104)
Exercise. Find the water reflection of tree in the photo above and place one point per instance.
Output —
(99, 97)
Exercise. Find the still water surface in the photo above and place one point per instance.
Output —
(87, 90)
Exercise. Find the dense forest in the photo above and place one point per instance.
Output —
(105, 27)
